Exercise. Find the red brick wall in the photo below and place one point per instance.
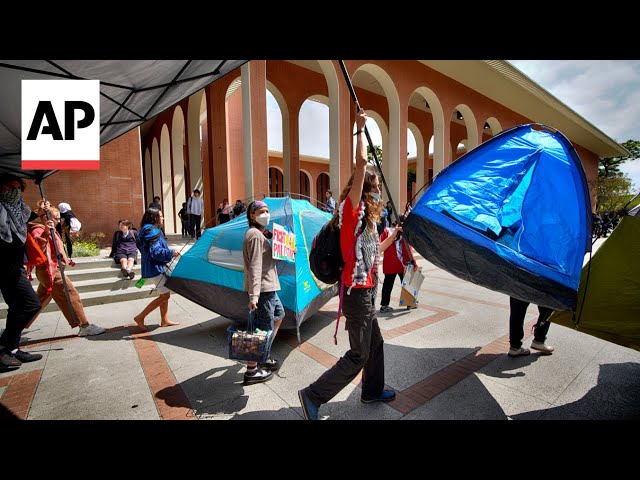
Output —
(100, 197)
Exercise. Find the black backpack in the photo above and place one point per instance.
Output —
(325, 257)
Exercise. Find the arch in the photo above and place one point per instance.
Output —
(166, 194)
(323, 183)
(194, 148)
(420, 155)
(331, 76)
(471, 125)
(437, 116)
(286, 146)
(148, 178)
(177, 156)
(276, 182)
(494, 127)
(392, 153)
(306, 187)
(384, 136)
(318, 133)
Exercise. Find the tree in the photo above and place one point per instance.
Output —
(610, 166)
(378, 150)
(411, 177)
(612, 193)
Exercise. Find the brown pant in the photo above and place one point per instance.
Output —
(59, 297)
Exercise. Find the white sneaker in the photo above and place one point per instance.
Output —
(90, 329)
(542, 347)
(519, 352)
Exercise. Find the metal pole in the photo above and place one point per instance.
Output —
(366, 132)
(52, 233)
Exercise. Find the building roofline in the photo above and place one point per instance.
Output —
(502, 82)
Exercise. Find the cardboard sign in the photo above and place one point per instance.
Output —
(284, 242)
(411, 284)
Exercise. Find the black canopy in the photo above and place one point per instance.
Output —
(132, 92)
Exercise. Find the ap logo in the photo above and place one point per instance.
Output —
(60, 124)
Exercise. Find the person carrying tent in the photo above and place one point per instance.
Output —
(359, 207)
(155, 254)
(261, 283)
(50, 277)
(516, 329)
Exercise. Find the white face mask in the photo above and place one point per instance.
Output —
(263, 219)
(376, 196)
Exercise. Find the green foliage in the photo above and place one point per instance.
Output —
(610, 166)
(85, 249)
(88, 244)
(411, 177)
(613, 193)
(378, 150)
(97, 238)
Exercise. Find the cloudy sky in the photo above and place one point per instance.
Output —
(605, 92)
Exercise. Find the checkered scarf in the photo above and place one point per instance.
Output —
(14, 214)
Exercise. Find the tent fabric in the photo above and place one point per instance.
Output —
(132, 92)
(611, 281)
(512, 215)
(211, 273)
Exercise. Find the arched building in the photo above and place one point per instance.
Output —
(216, 140)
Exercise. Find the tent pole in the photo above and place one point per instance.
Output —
(52, 233)
(366, 132)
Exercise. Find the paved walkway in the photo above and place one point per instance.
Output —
(447, 360)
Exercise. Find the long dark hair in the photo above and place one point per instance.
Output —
(372, 211)
(151, 217)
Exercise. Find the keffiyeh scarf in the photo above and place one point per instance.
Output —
(14, 214)
(367, 249)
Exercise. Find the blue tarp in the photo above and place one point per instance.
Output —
(211, 273)
(513, 215)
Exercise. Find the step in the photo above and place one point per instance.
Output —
(84, 263)
(101, 297)
(109, 284)
(111, 272)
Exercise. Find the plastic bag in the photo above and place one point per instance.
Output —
(74, 225)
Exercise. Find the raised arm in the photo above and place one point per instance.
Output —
(361, 160)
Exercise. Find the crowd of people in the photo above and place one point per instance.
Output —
(30, 236)
(366, 232)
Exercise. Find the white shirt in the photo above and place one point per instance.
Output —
(195, 206)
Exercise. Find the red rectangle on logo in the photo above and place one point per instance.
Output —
(61, 164)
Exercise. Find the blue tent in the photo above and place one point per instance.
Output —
(512, 215)
(211, 273)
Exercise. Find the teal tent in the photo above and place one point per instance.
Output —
(211, 273)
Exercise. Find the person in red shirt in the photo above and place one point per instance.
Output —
(359, 212)
(394, 262)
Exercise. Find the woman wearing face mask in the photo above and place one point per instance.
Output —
(261, 283)
(357, 215)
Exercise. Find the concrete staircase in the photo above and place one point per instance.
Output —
(98, 281)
